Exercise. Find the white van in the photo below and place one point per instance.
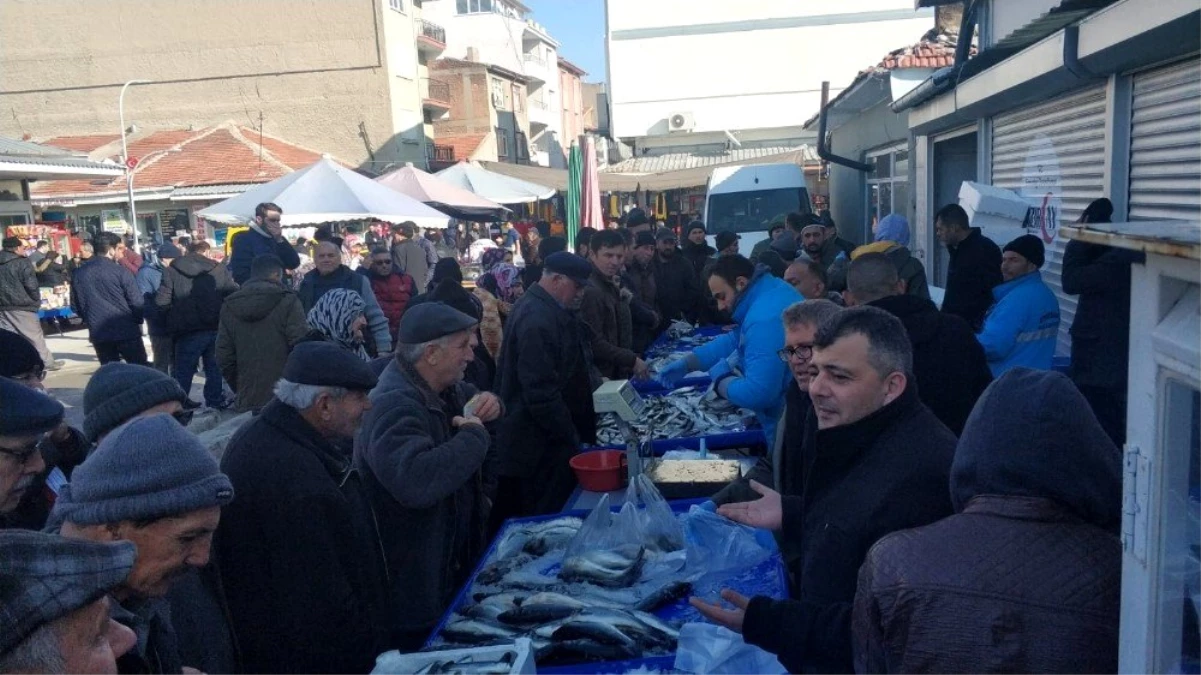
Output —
(744, 199)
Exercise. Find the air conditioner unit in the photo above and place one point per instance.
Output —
(681, 121)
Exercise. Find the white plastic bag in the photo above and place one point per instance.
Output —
(709, 648)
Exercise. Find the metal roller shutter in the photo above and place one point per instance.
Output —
(1062, 142)
(1165, 143)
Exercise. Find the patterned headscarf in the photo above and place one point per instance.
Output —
(507, 278)
(332, 315)
(491, 258)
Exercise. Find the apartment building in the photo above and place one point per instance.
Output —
(340, 76)
(488, 114)
(571, 86)
(500, 33)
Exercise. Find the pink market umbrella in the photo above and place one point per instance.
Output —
(590, 204)
(439, 194)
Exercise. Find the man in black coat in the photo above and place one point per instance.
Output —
(948, 361)
(546, 383)
(194, 288)
(105, 295)
(881, 463)
(299, 550)
(20, 298)
(677, 291)
(1100, 276)
(974, 267)
(427, 460)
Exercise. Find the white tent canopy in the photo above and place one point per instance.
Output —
(326, 191)
(494, 186)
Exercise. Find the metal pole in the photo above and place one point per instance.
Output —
(133, 211)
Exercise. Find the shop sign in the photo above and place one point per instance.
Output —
(113, 220)
(1042, 188)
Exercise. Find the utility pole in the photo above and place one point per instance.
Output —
(133, 212)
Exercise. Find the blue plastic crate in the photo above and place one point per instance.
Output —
(666, 343)
(769, 578)
(654, 387)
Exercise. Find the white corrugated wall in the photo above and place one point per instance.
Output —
(1165, 143)
(1075, 126)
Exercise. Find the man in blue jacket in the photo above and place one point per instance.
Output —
(744, 364)
(264, 237)
(149, 278)
(1022, 327)
(105, 295)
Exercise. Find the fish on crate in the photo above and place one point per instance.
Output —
(617, 568)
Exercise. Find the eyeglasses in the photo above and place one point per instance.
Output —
(803, 352)
(37, 375)
(23, 455)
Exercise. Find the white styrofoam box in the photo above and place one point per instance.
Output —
(395, 663)
(1000, 230)
(979, 199)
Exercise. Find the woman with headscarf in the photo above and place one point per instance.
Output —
(891, 239)
(339, 317)
(446, 268)
(529, 246)
(491, 258)
(497, 290)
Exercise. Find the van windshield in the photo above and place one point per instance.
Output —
(752, 210)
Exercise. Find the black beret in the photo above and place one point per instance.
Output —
(644, 238)
(430, 321)
(24, 410)
(325, 364)
(569, 265)
(18, 356)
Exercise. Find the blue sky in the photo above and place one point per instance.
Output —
(579, 26)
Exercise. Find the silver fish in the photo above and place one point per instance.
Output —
(667, 594)
(533, 613)
(598, 631)
(617, 568)
(471, 631)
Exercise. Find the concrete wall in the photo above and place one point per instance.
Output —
(314, 71)
(470, 100)
(572, 95)
(742, 65)
(876, 127)
(404, 85)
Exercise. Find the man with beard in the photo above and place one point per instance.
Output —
(301, 540)
(169, 508)
(677, 293)
(880, 463)
(743, 363)
(607, 313)
(425, 456)
(546, 382)
(815, 245)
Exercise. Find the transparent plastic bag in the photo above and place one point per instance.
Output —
(709, 648)
(645, 520)
(716, 543)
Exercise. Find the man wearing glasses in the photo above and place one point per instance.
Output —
(265, 236)
(26, 416)
(393, 289)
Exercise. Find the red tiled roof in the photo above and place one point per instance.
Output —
(465, 145)
(223, 154)
(934, 50)
(82, 143)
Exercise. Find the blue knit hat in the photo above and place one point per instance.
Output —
(118, 391)
(147, 468)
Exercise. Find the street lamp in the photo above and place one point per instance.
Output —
(133, 212)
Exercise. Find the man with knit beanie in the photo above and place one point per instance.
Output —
(152, 483)
(1022, 328)
(118, 392)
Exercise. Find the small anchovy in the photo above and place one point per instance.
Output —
(667, 594)
(683, 413)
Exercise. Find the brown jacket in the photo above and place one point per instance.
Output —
(604, 310)
(259, 326)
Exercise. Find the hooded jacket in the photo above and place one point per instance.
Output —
(315, 285)
(18, 284)
(191, 294)
(608, 315)
(260, 324)
(1026, 576)
(948, 361)
(1022, 328)
(428, 482)
(886, 472)
(760, 376)
(252, 243)
(105, 295)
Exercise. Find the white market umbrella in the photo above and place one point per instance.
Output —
(442, 195)
(494, 186)
(326, 191)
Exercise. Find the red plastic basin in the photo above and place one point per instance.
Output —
(600, 470)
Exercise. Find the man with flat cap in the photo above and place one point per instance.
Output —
(426, 459)
(26, 416)
(299, 550)
(546, 381)
(54, 604)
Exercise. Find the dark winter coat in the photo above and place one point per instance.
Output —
(299, 551)
(677, 291)
(157, 648)
(644, 320)
(1026, 577)
(149, 278)
(105, 295)
(252, 243)
(316, 285)
(260, 324)
(1100, 275)
(53, 274)
(608, 315)
(699, 255)
(782, 469)
(973, 270)
(409, 258)
(18, 284)
(428, 483)
(909, 269)
(887, 472)
(948, 361)
(546, 386)
(393, 293)
(193, 289)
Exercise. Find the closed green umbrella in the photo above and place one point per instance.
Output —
(575, 178)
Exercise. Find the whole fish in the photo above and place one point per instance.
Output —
(533, 613)
(529, 581)
(593, 629)
(493, 573)
(616, 568)
(472, 631)
(658, 625)
(570, 651)
(667, 594)
(468, 666)
(631, 626)
(486, 612)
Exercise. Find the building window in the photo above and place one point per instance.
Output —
(476, 6)
(398, 5)
(516, 90)
(523, 148)
(502, 144)
(888, 183)
(498, 94)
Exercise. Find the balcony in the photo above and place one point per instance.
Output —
(435, 96)
(439, 156)
(535, 67)
(431, 38)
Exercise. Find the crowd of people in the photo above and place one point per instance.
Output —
(943, 500)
